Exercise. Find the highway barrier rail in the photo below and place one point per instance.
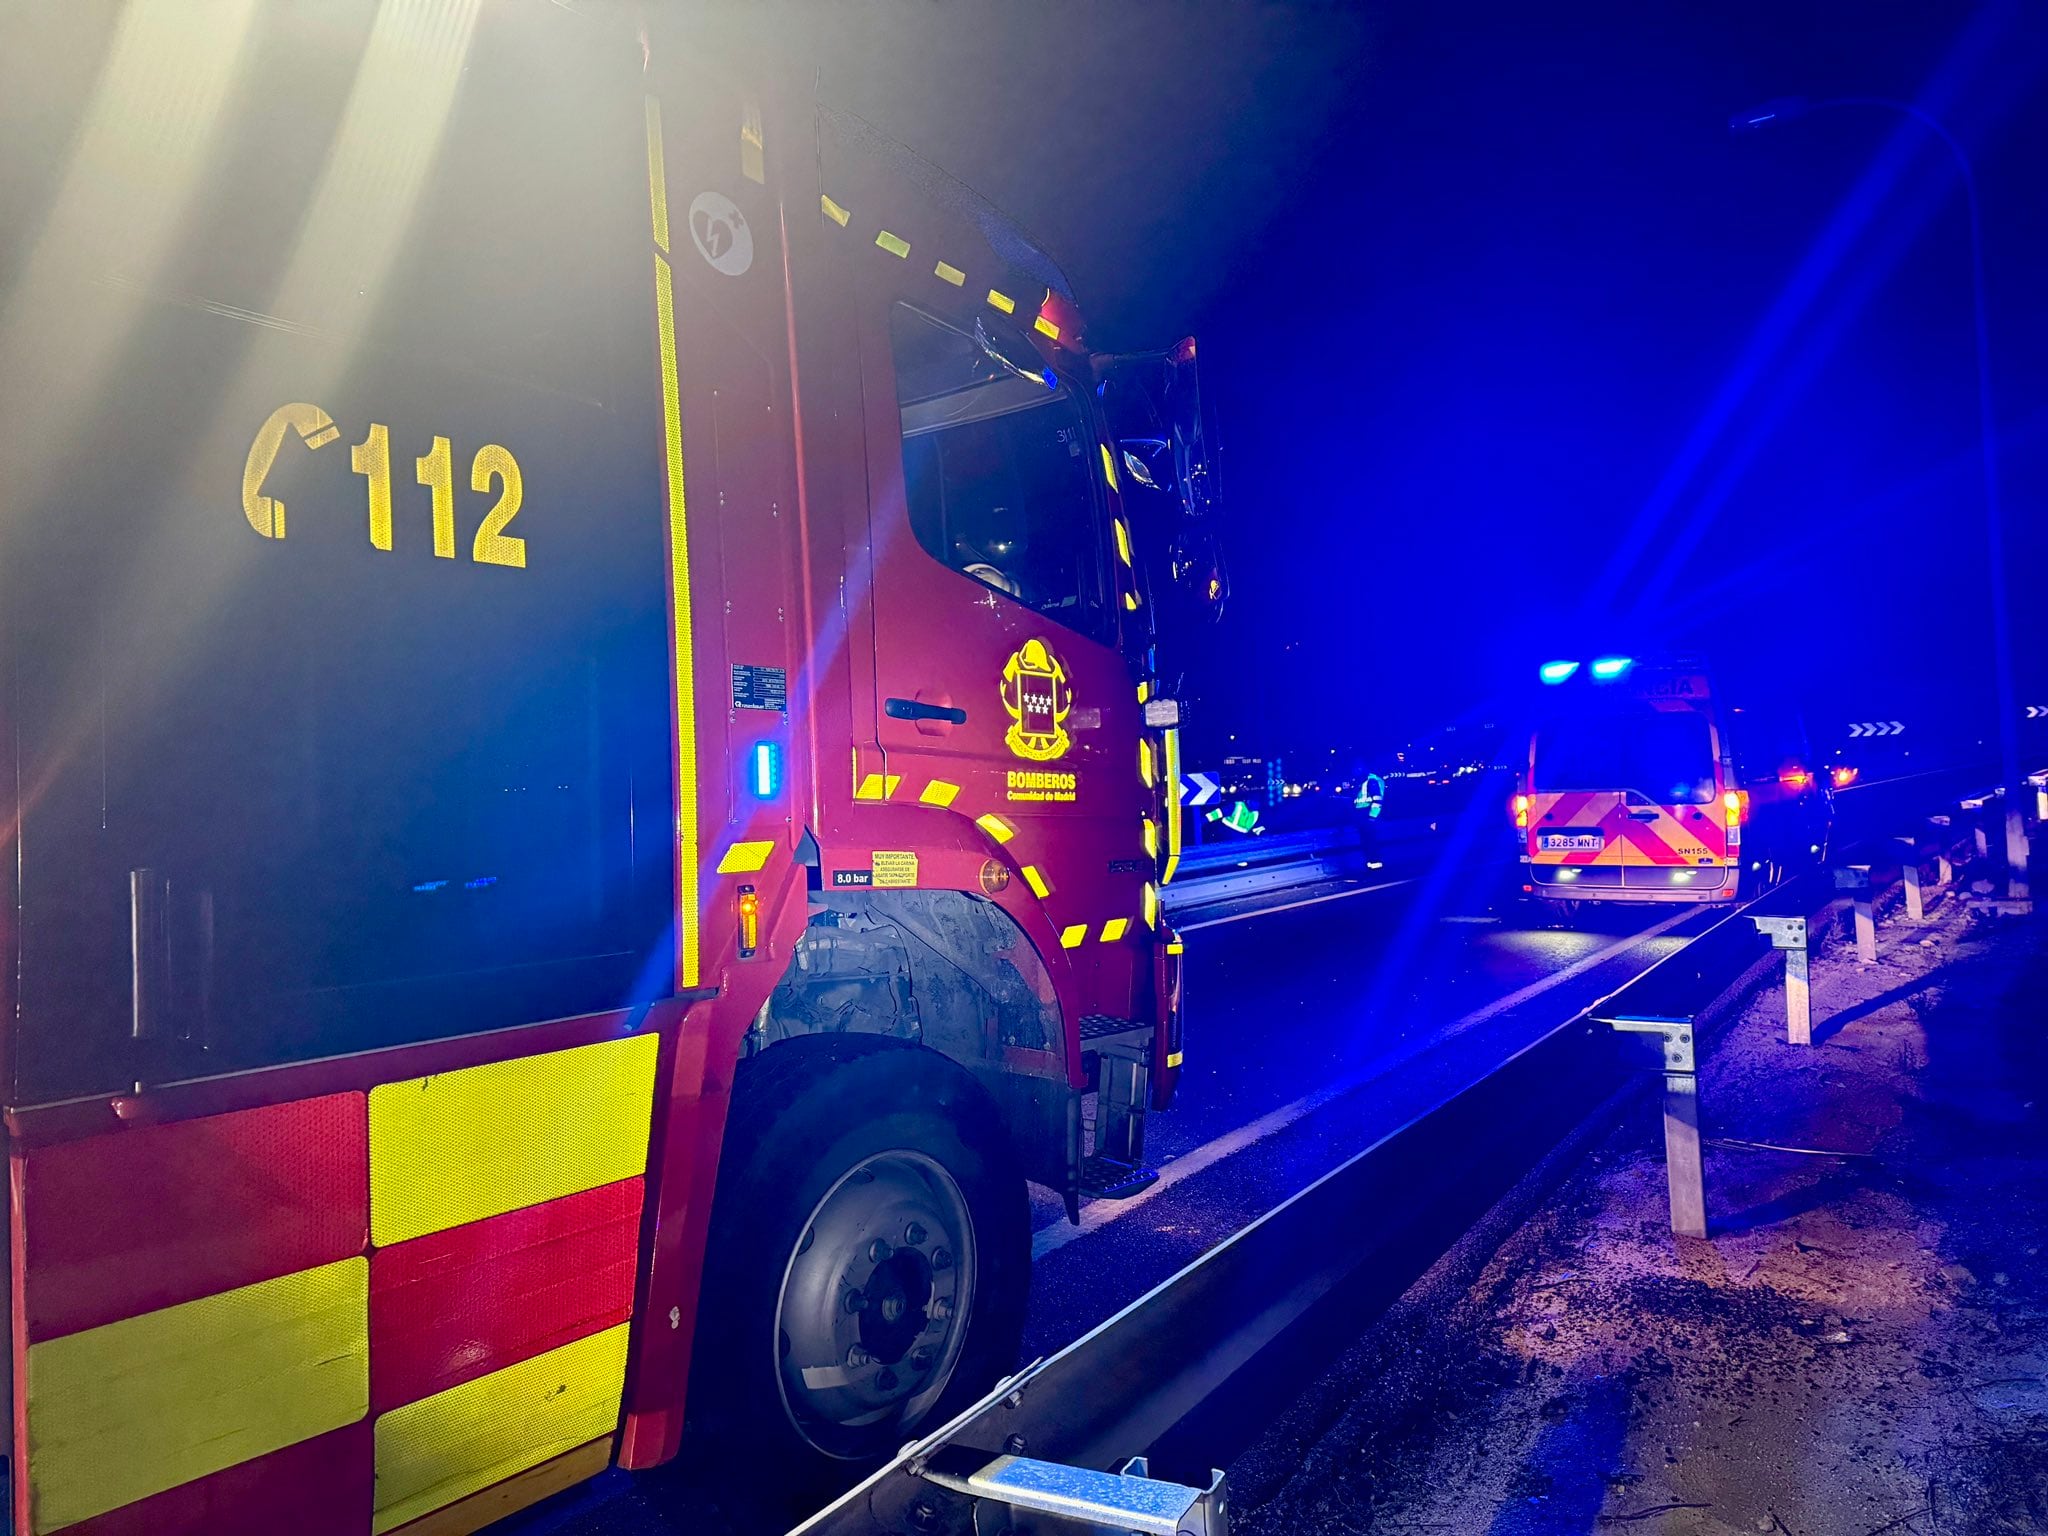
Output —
(1236, 868)
(1190, 1371)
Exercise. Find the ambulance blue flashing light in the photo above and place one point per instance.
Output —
(1556, 671)
(1607, 668)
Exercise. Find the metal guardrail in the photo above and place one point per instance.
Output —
(1124, 1386)
(1225, 871)
(1309, 1273)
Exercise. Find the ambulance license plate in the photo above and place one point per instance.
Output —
(1572, 842)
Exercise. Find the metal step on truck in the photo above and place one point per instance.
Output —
(591, 755)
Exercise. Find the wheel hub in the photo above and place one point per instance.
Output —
(874, 1301)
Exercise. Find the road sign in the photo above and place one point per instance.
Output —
(1877, 728)
(1198, 789)
(2037, 711)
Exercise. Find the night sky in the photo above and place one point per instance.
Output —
(1516, 350)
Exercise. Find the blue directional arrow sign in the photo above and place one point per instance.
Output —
(1198, 789)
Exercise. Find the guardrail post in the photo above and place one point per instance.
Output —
(1854, 881)
(1909, 877)
(1789, 934)
(1944, 848)
(1684, 1171)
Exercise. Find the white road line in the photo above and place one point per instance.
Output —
(1578, 967)
(1310, 901)
(1102, 1212)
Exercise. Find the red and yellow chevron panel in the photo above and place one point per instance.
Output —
(465, 1145)
(129, 1409)
(448, 1446)
(455, 1305)
(319, 1487)
(334, 1315)
(161, 1214)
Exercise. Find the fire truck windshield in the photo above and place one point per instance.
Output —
(996, 471)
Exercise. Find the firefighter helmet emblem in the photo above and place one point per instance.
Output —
(1039, 697)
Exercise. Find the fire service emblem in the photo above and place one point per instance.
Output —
(1039, 698)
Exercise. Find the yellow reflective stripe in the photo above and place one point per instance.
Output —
(1151, 839)
(1123, 541)
(1046, 328)
(895, 245)
(657, 176)
(939, 793)
(1073, 935)
(877, 786)
(1175, 946)
(950, 273)
(1173, 793)
(123, 1411)
(1172, 1059)
(1151, 905)
(1036, 881)
(1130, 602)
(1144, 692)
(1002, 301)
(446, 1447)
(459, 1146)
(1109, 474)
(1145, 761)
(684, 706)
(1114, 929)
(833, 211)
(995, 827)
(744, 858)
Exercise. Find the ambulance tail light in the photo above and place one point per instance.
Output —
(1521, 809)
(749, 912)
(1735, 807)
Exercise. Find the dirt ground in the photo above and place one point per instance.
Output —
(1859, 1347)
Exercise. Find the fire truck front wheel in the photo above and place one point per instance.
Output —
(869, 1257)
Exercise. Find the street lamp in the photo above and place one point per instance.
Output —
(1785, 108)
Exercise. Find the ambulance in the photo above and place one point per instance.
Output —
(1642, 783)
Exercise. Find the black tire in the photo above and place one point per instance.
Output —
(806, 1115)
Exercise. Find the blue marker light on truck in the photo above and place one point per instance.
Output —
(1555, 672)
(765, 770)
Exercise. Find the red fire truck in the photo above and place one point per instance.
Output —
(589, 764)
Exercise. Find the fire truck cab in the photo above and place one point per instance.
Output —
(591, 759)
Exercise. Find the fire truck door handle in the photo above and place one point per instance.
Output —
(917, 709)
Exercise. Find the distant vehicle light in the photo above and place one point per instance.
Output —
(1795, 778)
(1607, 668)
(1844, 777)
(1555, 672)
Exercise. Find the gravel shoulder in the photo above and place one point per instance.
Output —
(1860, 1346)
